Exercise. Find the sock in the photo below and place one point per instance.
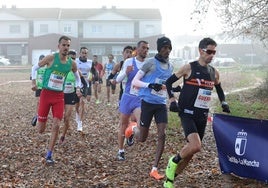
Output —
(177, 158)
(154, 168)
(121, 150)
(49, 154)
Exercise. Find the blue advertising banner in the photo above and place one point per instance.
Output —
(242, 146)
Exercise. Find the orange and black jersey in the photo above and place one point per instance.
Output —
(202, 77)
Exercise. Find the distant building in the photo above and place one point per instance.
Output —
(28, 32)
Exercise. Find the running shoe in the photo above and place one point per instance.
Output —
(154, 174)
(130, 129)
(168, 184)
(49, 161)
(121, 156)
(170, 173)
(34, 120)
(130, 140)
(79, 126)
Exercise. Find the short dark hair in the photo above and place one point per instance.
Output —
(83, 48)
(64, 38)
(41, 57)
(71, 52)
(127, 48)
(205, 42)
(141, 41)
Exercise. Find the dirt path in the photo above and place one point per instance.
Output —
(89, 159)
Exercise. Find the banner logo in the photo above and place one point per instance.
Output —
(241, 143)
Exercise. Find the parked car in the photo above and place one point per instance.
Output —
(4, 61)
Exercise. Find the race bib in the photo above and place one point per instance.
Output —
(69, 88)
(56, 82)
(134, 90)
(203, 99)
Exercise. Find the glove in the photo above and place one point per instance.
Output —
(225, 107)
(155, 86)
(174, 107)
(176, 89)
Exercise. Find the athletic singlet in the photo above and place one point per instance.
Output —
(129, 88)
(84, 68)
(69, 83)
(55, 75)
(197, 89)
(160, 76)
(108, 69)
(39, 77)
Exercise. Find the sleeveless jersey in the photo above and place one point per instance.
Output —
(108, 69)
(160, 76)
(84, 67)
(69, 83)
(128, 86)
(197, 89)
(55, 75)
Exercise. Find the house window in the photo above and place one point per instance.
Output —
(43, 28)
(96, 29)
(98, 50)
(14, 29)
(67, 28)
(117, 50)
(14, 50)
(149, 29)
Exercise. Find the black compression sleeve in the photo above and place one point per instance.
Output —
(169, 83)
(220, 92)
(83, 81)
(111, 76)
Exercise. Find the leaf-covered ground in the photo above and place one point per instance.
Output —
(89, 159)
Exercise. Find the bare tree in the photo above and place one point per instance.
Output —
(247, 18)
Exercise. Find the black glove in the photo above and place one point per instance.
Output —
(155, 86)
(176, 89)
(225, 107)
(174, 107)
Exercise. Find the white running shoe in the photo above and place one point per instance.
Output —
(79, 126)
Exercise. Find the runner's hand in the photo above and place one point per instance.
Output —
(155, 86)
(174, 107)
(225, 107)
(176, 89)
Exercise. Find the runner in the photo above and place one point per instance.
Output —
(199, 78)
(130, 102)
(151, 81)
(52, 96)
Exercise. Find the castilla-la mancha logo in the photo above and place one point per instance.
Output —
(240, 143)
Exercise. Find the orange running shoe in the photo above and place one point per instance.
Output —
(130, 129)
(154, 174)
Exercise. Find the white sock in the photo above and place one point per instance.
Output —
(121, 150)
(154, 168)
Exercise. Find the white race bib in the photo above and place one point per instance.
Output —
(203, 99)
(134, 90)
(69, 88)
(56, 82)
